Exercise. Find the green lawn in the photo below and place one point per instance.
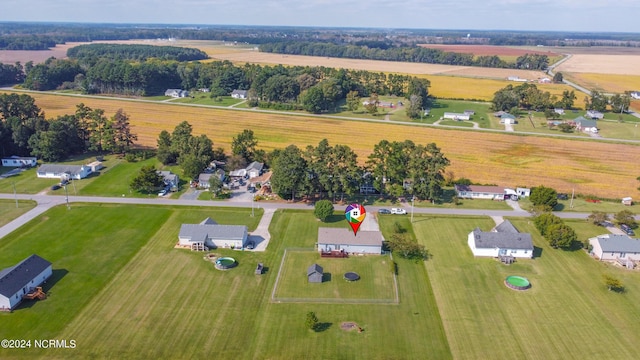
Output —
(375, 285)
(9, 211)
(26, 182)
(581, 205)
(205, 99)
(567, 307)
(132, 295)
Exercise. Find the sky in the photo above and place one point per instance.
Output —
(544, 15)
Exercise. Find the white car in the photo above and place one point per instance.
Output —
(398, 211)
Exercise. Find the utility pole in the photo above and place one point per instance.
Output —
(413, 199)
(66, 195)
(252, 200)
(15, 194)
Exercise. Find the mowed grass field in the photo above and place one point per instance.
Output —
(567, 306)
(489, 158)
(376, 282)
(9, 211)
(161, 302)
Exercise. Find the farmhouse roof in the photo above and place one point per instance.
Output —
(14, 278)
(343, 236)
(315, 269)
(595, 114)
(506, 227)
(208, 221)
(255, 166)
(55, 168)
(507, 116)
(502, 240)
(203, 231)
(618, 243)
(480, 189)
(585, 123)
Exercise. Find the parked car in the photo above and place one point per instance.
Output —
(562, 197)
(627, 229)
(163, 192)
(398, 211)
(384, 211)
(251, 245)
(55, 187)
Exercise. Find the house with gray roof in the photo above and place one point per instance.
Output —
(480, 192)
(315, 273)
(63, 172)
(170, 179)
(614, 247)
(595, 115)
(343, 239)
(19, 280)
(254, 169)
(204, 179)
(210, 235)
(502, 240)
(585, 125)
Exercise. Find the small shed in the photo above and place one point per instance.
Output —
(259, 269)
(627, 201)
(315, 273)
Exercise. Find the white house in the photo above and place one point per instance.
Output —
(516, 78)
(176, 93)
(239, 94)
(593, 114)
(635, 95)
(63, 172)
(19, 161)
(507, 118)
(343, 239)
(614, 247)
(208, 234)
(585, 125)
(480, 192)
(254, 169)
(502, 240)
(457, 116)
(18, 280)
(95, 166)
(558, 111)
(523, 192)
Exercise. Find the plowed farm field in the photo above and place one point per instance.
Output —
(502, 159)
(482, 50)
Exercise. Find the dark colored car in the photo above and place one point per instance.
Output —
(563, 197)
(55, 187)
(384, 211)
(627, 230)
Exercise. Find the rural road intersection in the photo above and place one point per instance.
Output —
(45, 202)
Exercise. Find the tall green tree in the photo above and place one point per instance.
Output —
(427, 165)
(289, 172)
(123, 137)
(544, 196)
(626, 217)
(560, 236)
(244, 144)
(180, 139)
(166, 154)
(147, 181)
(353, 100)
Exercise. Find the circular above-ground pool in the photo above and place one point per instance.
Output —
(225, 263)
(351, 276)
(517, 282)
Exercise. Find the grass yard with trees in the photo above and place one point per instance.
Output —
(567, 303)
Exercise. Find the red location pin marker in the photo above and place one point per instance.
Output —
(355, 214)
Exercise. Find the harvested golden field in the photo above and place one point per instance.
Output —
(257, 57)
(37, 56)
(602, 64)
(608, 83)
(456, 87)
(481, 156)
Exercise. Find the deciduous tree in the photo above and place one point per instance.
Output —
(323, 210)
(147, 181)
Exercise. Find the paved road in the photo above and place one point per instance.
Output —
(47, 201)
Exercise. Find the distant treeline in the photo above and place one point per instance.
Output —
(41, 36)
(135, 52)
(315, 89)
(408, 54)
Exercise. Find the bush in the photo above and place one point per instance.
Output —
(130, 157)
(544, 196)
(393, 267)
(323, 209)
